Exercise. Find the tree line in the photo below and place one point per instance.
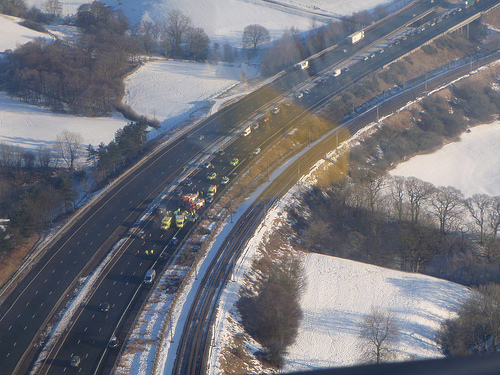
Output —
(476, 330)
(176, 37)
(127, 147)
(404, 223)
(85, 77)
(35, 190)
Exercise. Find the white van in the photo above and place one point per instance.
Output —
(150, 276)
(247, 131)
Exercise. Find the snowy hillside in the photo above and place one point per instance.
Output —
(14, 35)
(171, 91)
(464, 165)
(30, 126)
(339, 292)
(225, 20)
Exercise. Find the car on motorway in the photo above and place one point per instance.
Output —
(256, 151)
(225, 180)
(211, 176)
(104, 306)
(299, 95)
(177, 193)
(75, 361)
(275, 110)
(174, 241)
(208, 165)
(209, 199)
(187, 182)
(234, 162)
(114, 342)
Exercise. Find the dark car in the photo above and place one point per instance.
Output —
(75, 361)
(105, 306)
(114, 342)
(187, 182)
(177, 193)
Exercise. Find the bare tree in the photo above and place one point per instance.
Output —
(29, 159)
(398, 195)
(68, 145)
(378, 335)
(494, 216)
(418, 192)
(149, 33)
(53, 7)
(381, 11)
(478, 206)
(254, 35)
(11, 156)
(317, 236)
(197, 43)
(371, 184)
(175, 30)
(44, 155)
(446, 205)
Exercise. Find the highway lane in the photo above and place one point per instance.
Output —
(191, 357)
(76, 253)
(104, 224)
(193, 349)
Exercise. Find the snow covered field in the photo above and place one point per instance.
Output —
(224, 21)
(171, 91)
(471, 165)
(30, 127)
(14, 35)
(339, 292)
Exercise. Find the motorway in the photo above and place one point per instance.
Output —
(37, 299)
(194, 346)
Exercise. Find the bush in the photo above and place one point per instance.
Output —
(273, 316)
(429, 50)
(477, 328)
(34, 26)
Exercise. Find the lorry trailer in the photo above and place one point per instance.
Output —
(356, 37)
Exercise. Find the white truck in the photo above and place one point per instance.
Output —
(303, 65)
(337, 72)
(356, 37)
